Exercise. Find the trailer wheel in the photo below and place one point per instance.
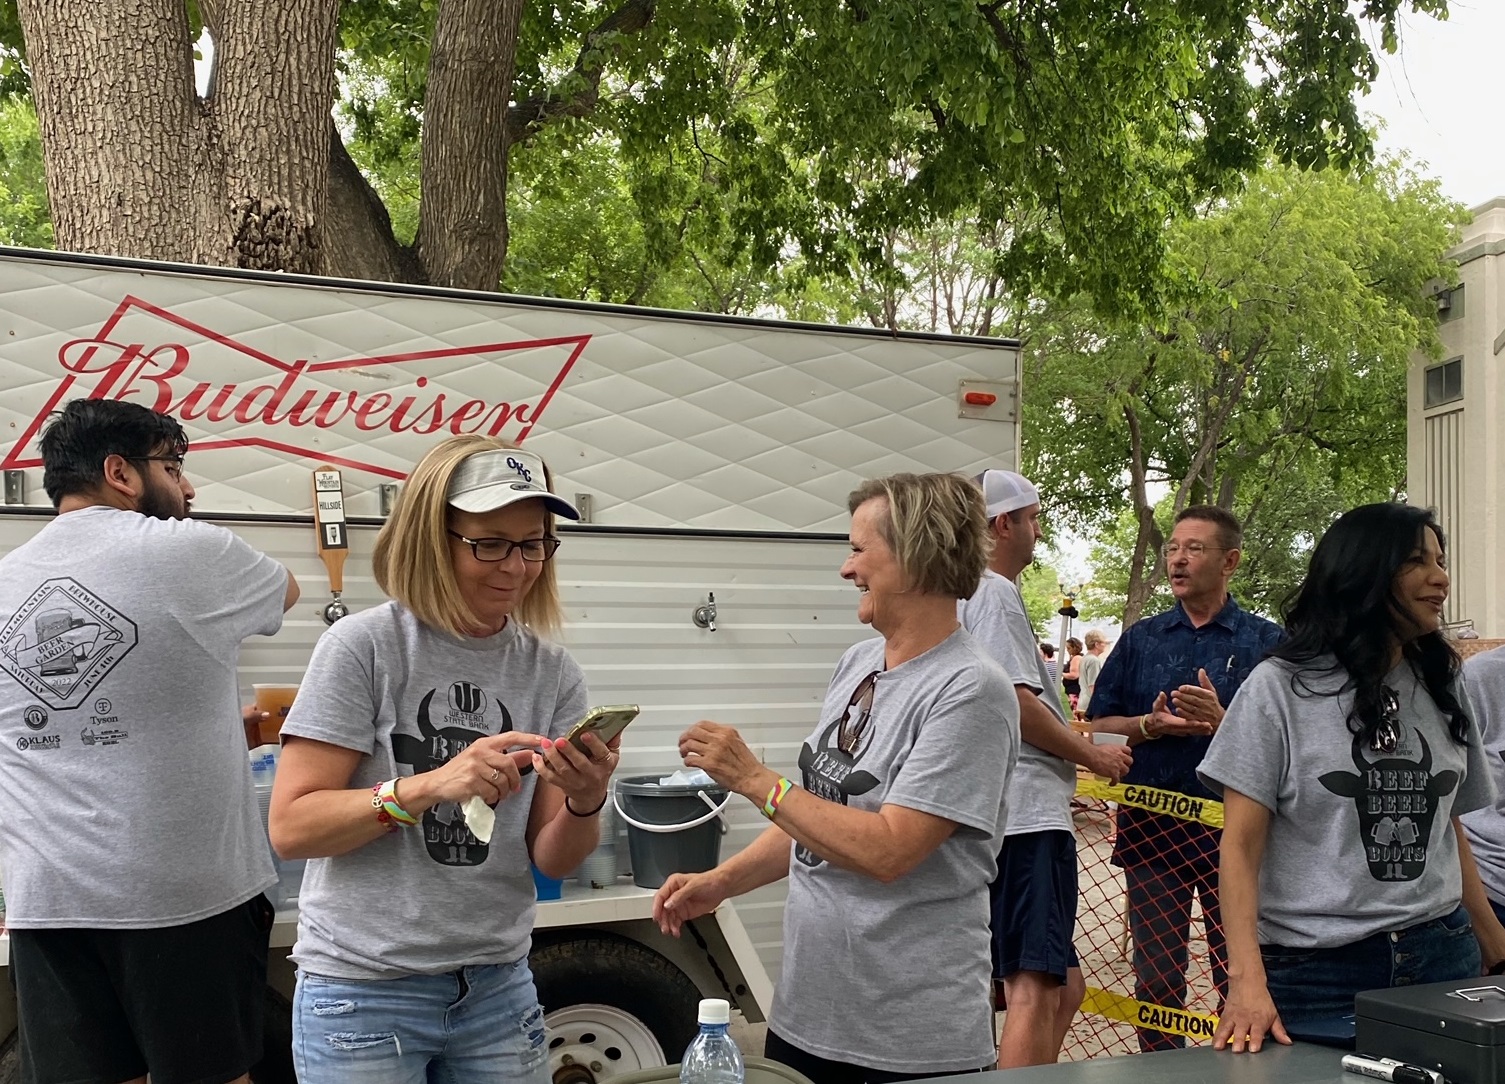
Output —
(611, 1006)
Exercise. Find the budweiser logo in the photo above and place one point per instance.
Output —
(234, 392)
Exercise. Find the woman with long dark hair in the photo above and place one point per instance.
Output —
(1344, 763)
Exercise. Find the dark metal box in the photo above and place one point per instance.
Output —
(1456, 1027)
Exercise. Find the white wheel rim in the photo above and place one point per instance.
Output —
(596, 1042)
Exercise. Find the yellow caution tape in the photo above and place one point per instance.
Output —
(1172, 803)
(1193, 1025)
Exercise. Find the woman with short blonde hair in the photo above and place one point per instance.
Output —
(890, 839)
(424, 766)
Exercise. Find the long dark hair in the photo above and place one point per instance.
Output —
(1346, 608)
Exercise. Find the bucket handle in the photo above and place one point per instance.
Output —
(664, 829)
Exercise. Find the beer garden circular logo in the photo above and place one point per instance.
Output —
(35, 717)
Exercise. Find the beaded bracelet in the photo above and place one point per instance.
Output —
(776, 795)
(389, 810)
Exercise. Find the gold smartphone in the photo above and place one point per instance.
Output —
(605, 722)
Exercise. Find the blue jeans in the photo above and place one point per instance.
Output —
(1321, 984)
(478, 1025)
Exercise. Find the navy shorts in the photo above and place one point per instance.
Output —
(184, 1003)
(1034, 905)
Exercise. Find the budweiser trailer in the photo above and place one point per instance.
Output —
(711, 457)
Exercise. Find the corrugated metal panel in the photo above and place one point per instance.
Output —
(1444, 487)
(784, 618)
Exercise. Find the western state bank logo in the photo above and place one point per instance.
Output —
(62, 642)
(230, 393)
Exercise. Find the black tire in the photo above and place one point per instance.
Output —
(276, 1064)
(605, 969)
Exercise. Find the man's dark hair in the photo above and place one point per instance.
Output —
(1230, 530)
(84, 433)
(1048, 650)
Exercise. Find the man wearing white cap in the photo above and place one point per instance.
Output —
(1035, 894)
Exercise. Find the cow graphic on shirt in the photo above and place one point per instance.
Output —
(1397, 805)
(830, 769)
(449, 840)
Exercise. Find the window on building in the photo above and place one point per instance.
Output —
(1445, 383)
(1450, 305)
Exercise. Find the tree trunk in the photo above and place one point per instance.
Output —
(137, 165)
(124, 137)
(1145, 568)
(276, 91)
(462, 232)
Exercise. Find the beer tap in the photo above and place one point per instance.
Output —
(333, 538)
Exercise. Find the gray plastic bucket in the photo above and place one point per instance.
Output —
(673, 829)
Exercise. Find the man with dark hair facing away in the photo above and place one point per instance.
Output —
(1165, 686)
(133, 850)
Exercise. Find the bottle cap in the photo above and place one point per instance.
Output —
(715, 1010)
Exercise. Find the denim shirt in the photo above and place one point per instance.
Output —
(1160, 654)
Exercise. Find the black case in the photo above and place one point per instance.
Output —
(1457, 1027)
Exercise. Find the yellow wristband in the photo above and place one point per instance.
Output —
(1144, 727)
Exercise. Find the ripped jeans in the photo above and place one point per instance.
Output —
(477, 1025)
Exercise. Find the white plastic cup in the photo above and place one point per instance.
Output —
(1101, 738)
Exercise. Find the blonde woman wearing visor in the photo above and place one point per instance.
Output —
(414, 929)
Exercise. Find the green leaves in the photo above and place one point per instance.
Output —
(1271, 381)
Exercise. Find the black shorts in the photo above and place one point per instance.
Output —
(1034, 905)
(184, 1003)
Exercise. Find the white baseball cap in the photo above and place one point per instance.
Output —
(491, 480)
(1006, 491)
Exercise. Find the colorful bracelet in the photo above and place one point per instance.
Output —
(390, 811)
(776, 795)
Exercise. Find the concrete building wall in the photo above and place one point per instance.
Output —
(1456, 448)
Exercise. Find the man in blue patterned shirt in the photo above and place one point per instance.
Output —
(1165, 686)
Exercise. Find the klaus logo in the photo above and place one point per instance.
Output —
(229, 393)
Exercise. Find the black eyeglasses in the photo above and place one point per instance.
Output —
(1386, 737)
(174, 463)
(492, 550)
(852, 732)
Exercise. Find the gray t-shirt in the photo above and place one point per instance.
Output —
(1360, 842)
(1040, 794)
(896, 976)
(125, 789)
(431, 898)
(1092, 666)
(1484, 678)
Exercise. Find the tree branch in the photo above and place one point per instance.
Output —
(577, 94)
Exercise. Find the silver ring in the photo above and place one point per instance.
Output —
(496, 773)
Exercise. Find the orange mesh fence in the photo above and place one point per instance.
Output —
(1147, 931)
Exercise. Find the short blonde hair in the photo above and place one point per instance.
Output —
(937, 526)
(412, 559)
(1093, 638)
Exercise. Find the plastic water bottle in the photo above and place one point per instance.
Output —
(712, 1058)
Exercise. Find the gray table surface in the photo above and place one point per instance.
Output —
(1302, 1063)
